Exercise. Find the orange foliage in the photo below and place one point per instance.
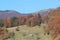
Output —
(57, 38)
(5, 22)
(53, 35)
(9, 22)
(54, 23)
(22, 20)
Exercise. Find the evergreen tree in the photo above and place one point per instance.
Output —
(29, 24)
(12, 21)
(1, 23)
(39, 20)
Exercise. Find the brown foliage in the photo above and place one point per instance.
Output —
(53, 13)
(54, 22)
(22, 20)
(53, 35)
(9, 22)
(5, 22)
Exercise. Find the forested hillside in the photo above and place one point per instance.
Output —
(53, 21)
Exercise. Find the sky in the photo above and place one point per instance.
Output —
(28, 6)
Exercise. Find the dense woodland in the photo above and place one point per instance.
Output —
(53, 18)
(30, 20)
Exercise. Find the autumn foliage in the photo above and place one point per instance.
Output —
(54, 22)
(35, 19)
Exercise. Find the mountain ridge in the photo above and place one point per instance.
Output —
(12, 13)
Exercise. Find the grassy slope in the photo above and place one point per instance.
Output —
(29, 30)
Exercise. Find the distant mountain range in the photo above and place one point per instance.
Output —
(12, 13)
(8, 13)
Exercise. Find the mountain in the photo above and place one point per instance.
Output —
(8, 13)
(12, 13)
(43, 12)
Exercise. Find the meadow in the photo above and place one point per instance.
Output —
(29, 33)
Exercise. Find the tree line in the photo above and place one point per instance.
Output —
(20, 20)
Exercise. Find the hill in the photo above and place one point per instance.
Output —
(12, 13)
(11, 17)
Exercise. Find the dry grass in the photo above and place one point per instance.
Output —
(30, 30)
